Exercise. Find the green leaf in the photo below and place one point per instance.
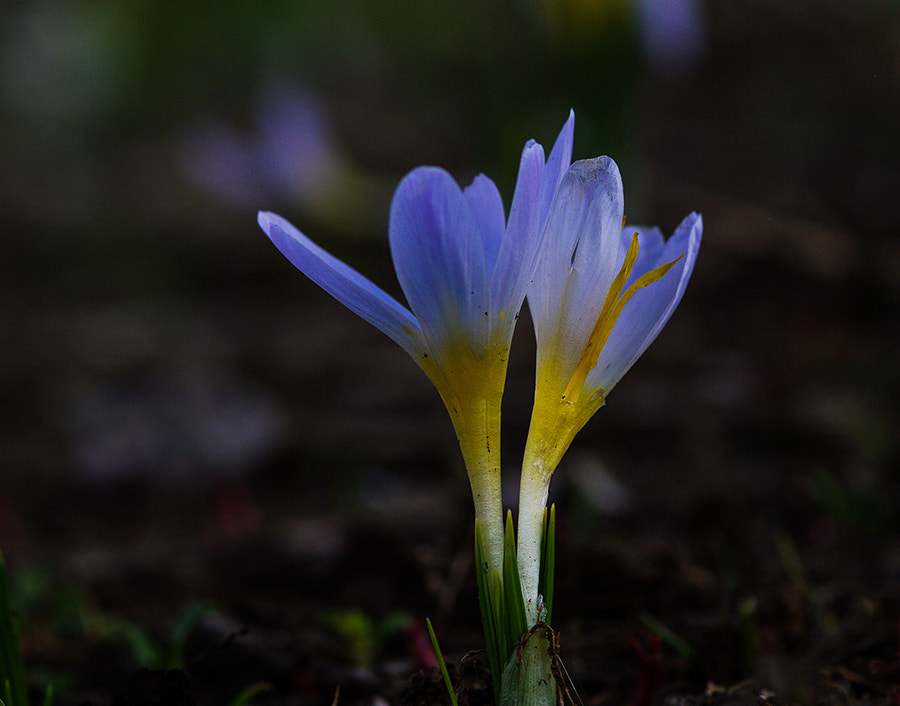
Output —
(244, 697)
(521, 660)
(668, 636)
(513, 602)
(146, 652)
(186, 624)
(548, 562)
(491, 612)
(12, 668)
(442, 665)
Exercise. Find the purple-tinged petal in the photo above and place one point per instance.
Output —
(536, 186)
(344, 283)
(297, 147)
(578, 257)
(650, 308)
(516, 259)
(596, 245)
(439, 257)
(557, 164)
(487, 208)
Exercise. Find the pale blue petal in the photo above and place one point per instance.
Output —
(578, 256)
(650, 308)
(557, 164)
(344, 283)
(651, 243)
(596, 249)
(516, 260)
(536, 187)
(487, 208)
(438, 253)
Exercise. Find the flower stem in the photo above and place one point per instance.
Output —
(478, 430)
(533, 491)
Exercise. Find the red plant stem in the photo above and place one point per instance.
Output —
(651, 658)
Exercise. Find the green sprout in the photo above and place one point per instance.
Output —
(13, 678)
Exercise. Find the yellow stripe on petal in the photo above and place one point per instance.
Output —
(556, 420)
(612, 307)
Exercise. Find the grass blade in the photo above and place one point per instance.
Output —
(489, 596)
(442, 665)
(513, 602)
(548, 562)
(12, 669)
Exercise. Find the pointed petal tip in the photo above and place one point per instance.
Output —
(698, 221)
(692, 228)
(568, 130)
(267, 219)
(567, 134)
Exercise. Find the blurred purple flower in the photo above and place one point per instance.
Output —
(292, 157)
(672, 34)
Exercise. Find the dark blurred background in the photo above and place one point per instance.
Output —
(169, 383)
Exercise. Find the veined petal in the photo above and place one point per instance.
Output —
(438, 252)
(345, 284)
(594, 259)
(577, 261)
(650, 308)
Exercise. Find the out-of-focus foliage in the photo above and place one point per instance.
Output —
(94, 94)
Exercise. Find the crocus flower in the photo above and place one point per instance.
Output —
(601, 294)
(464, 269)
